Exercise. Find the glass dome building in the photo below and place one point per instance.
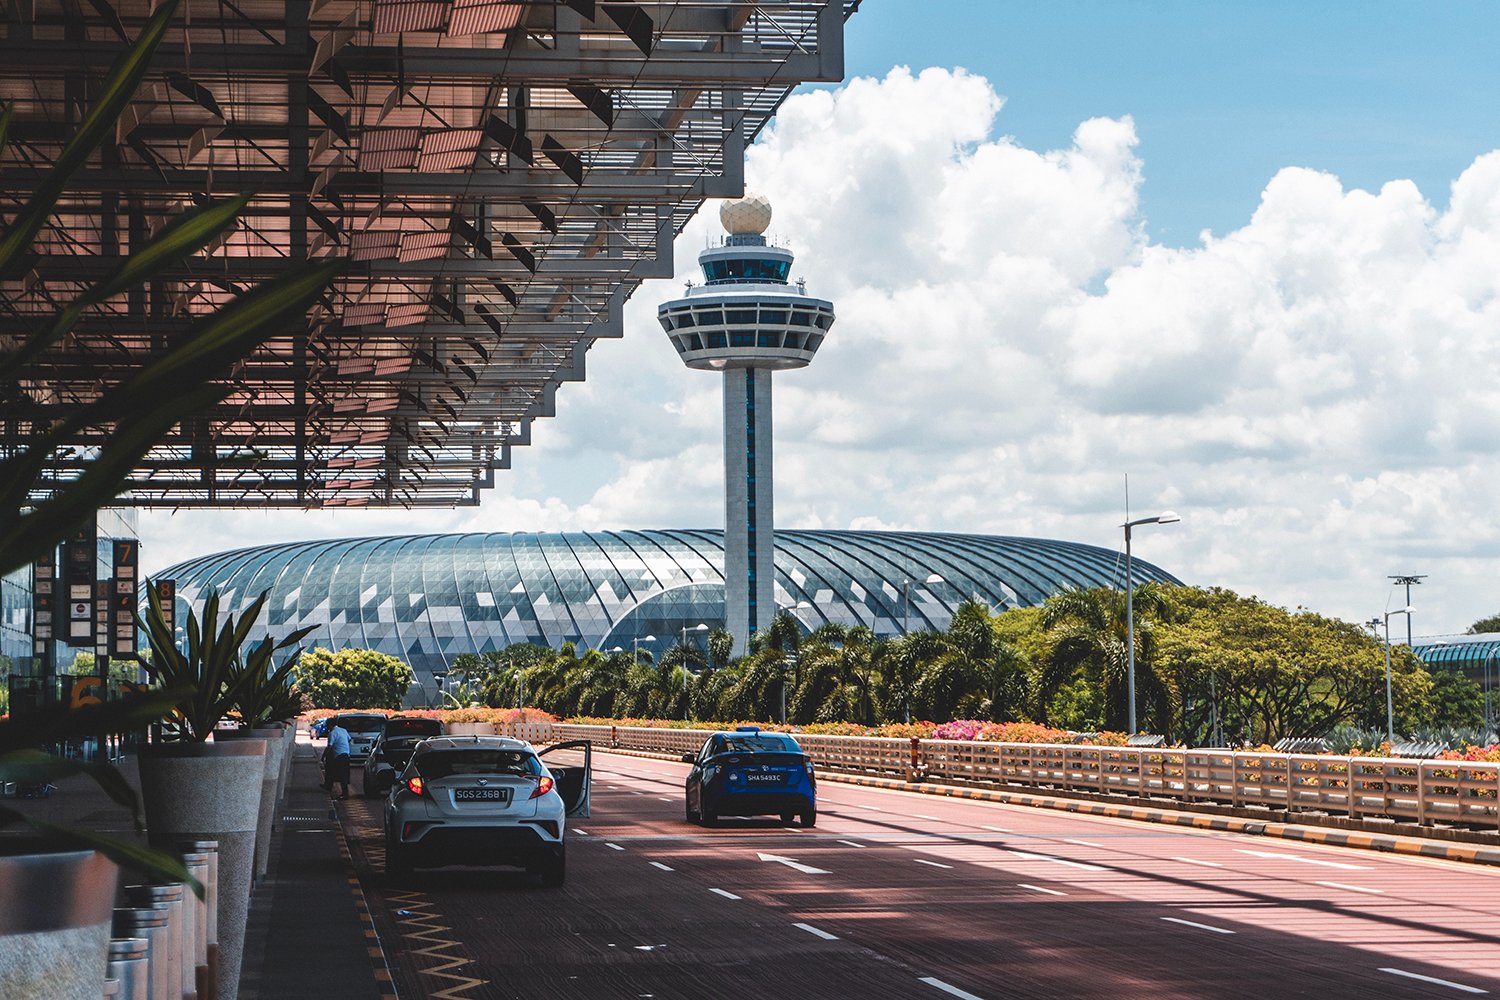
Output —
(427, 598)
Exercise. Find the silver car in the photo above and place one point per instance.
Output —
(484, 800)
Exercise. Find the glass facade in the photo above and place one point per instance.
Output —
(427, 598)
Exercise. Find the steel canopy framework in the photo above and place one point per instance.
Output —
(501, 175)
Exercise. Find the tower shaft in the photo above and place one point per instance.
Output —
(749, 508)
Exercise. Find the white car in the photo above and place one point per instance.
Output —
(484, 800)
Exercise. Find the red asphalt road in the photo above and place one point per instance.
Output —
(926, 897)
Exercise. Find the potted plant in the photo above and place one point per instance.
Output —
(262, 700)
(200, 790)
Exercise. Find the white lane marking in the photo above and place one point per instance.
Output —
(1436, 982)
(1085, 843)
(1354, 888)
(580, 831)
(1306, 861)
(875, 808)
(658, 864)
(851, 843)
(923, 816)
(817, 932)
(1195, 861)
(1037, 888)
(797, 865)
(998, 829)
(669, 800)
(613, 847)
(725, 893)
(1202, 927)
(946, 988)
(1025, 856)
(924, 861)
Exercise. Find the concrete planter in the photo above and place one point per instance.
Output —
(210, 791)
(270, 782)
(289, 749)
(55, 915)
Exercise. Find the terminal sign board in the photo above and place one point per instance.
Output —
(79, 574)
(166, 593)
(43, 605)
(125, 597)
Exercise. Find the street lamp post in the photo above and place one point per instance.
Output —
(1406, 580)
(635, 646)
(700, 627)
(1166, 517)
(905, 600)
(1390, 706)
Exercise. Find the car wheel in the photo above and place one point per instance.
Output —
(555, 870)
(786, 818)
(692, 817)
(809, 818)
(709, 817)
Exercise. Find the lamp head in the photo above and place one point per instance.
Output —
(1167, 517)
(648, 638)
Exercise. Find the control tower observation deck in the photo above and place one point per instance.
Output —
(746, 321)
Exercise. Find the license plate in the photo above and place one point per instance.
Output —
(481, 795)
(768, 778)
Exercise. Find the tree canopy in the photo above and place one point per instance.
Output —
(353, 678)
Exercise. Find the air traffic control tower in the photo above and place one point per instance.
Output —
(746, 321)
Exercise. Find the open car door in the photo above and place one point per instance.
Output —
(572, 768)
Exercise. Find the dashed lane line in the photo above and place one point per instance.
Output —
(1201, 927)
(1354, 888)
(851, 843)
(1283, 856)
(1195, 861)
(1038, 888)
(948, 988)
(924, 861)
(725, 893)
(1436, 982)
(1083, 843)
(581, 832)
(658, 864)
(816, 931)
(998, 829)
(1027, 856)
(613, 847)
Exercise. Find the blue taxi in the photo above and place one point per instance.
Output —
(750, 773)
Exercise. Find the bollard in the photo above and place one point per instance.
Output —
(195, 954)
(130, 964)
(168, 900)
(208, 985)
(150, 924)
(111, 989)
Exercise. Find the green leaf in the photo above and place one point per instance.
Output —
(114, 94)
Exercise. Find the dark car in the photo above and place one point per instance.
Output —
(393, 749)
(751, 773)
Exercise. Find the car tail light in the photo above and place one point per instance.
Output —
(543, 786)
(416, 786)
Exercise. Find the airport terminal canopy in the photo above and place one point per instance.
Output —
(427, 598)
(501, 174)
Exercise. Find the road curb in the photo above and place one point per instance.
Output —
(1413, 846)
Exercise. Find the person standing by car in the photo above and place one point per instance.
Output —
(336, 758)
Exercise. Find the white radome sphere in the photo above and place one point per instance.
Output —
(747, 216)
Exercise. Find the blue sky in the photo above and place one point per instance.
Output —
(1223, 94)
(1027, 312)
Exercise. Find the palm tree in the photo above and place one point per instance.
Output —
(1089, 626)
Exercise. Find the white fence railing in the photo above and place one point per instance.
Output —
(1426, 792)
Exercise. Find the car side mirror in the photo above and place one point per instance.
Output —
(688, 758)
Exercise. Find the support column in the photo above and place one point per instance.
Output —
(749, 510)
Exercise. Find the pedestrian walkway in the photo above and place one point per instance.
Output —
(309, 936)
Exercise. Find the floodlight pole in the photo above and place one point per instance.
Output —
(1166, 517)
(1407, 581)
(1390, 709)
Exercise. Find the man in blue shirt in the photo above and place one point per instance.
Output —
(336, 758)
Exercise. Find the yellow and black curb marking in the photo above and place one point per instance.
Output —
(421, 929)
(381, 968)
(1415, 846)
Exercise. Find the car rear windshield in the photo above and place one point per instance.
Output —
(362, 724)
(756, 744)
(399, 744)
(442, 763)
(412, 727)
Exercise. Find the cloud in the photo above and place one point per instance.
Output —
(1313, 391)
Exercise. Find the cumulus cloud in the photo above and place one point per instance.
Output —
(1313, 391)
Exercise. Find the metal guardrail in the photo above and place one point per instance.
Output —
(1424, 792)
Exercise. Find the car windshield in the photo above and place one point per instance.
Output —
(479, 760)
(362, 723)
(755, 744)
(419, 727)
